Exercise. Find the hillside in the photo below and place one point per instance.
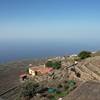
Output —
(89, 70)
(9, 75)
(87, 91)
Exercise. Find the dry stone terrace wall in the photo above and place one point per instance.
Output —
(89, 69)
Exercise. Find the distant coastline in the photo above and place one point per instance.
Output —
(3, 61)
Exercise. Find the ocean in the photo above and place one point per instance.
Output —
(30, 49)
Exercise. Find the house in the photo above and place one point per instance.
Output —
(39, 69)
(73, 55)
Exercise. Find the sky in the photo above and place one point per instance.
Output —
(50, 19)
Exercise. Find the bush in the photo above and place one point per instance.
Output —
(78, 74)
(54, 64)
(84, 54)
(71, 82)
(28, 89)
(49, 64)
(59, 86)
(27, 70)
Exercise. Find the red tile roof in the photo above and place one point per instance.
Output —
(42, 70)
(22, 75)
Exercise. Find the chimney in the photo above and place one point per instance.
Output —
(44, 66)
(30, 65)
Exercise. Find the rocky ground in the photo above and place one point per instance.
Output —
(87, 91)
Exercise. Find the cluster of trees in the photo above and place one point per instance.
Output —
(54, 64)
(84, 54)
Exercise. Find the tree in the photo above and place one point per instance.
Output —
(84, 54)
(28, 89)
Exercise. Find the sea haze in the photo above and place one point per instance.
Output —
(29, 49)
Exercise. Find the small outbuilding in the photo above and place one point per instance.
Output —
(23, 77)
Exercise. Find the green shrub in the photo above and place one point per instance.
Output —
(27, 70)
(61, 94)
(84, 54)
(71, 82)
(72, 85)
(54, 64)
(49, 64)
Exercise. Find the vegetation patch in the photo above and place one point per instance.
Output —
(54, 64)
(84, 54)
(64, 89)
(29, 89)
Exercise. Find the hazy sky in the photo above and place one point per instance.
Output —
(47, 19)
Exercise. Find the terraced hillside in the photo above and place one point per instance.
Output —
(89, 69)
